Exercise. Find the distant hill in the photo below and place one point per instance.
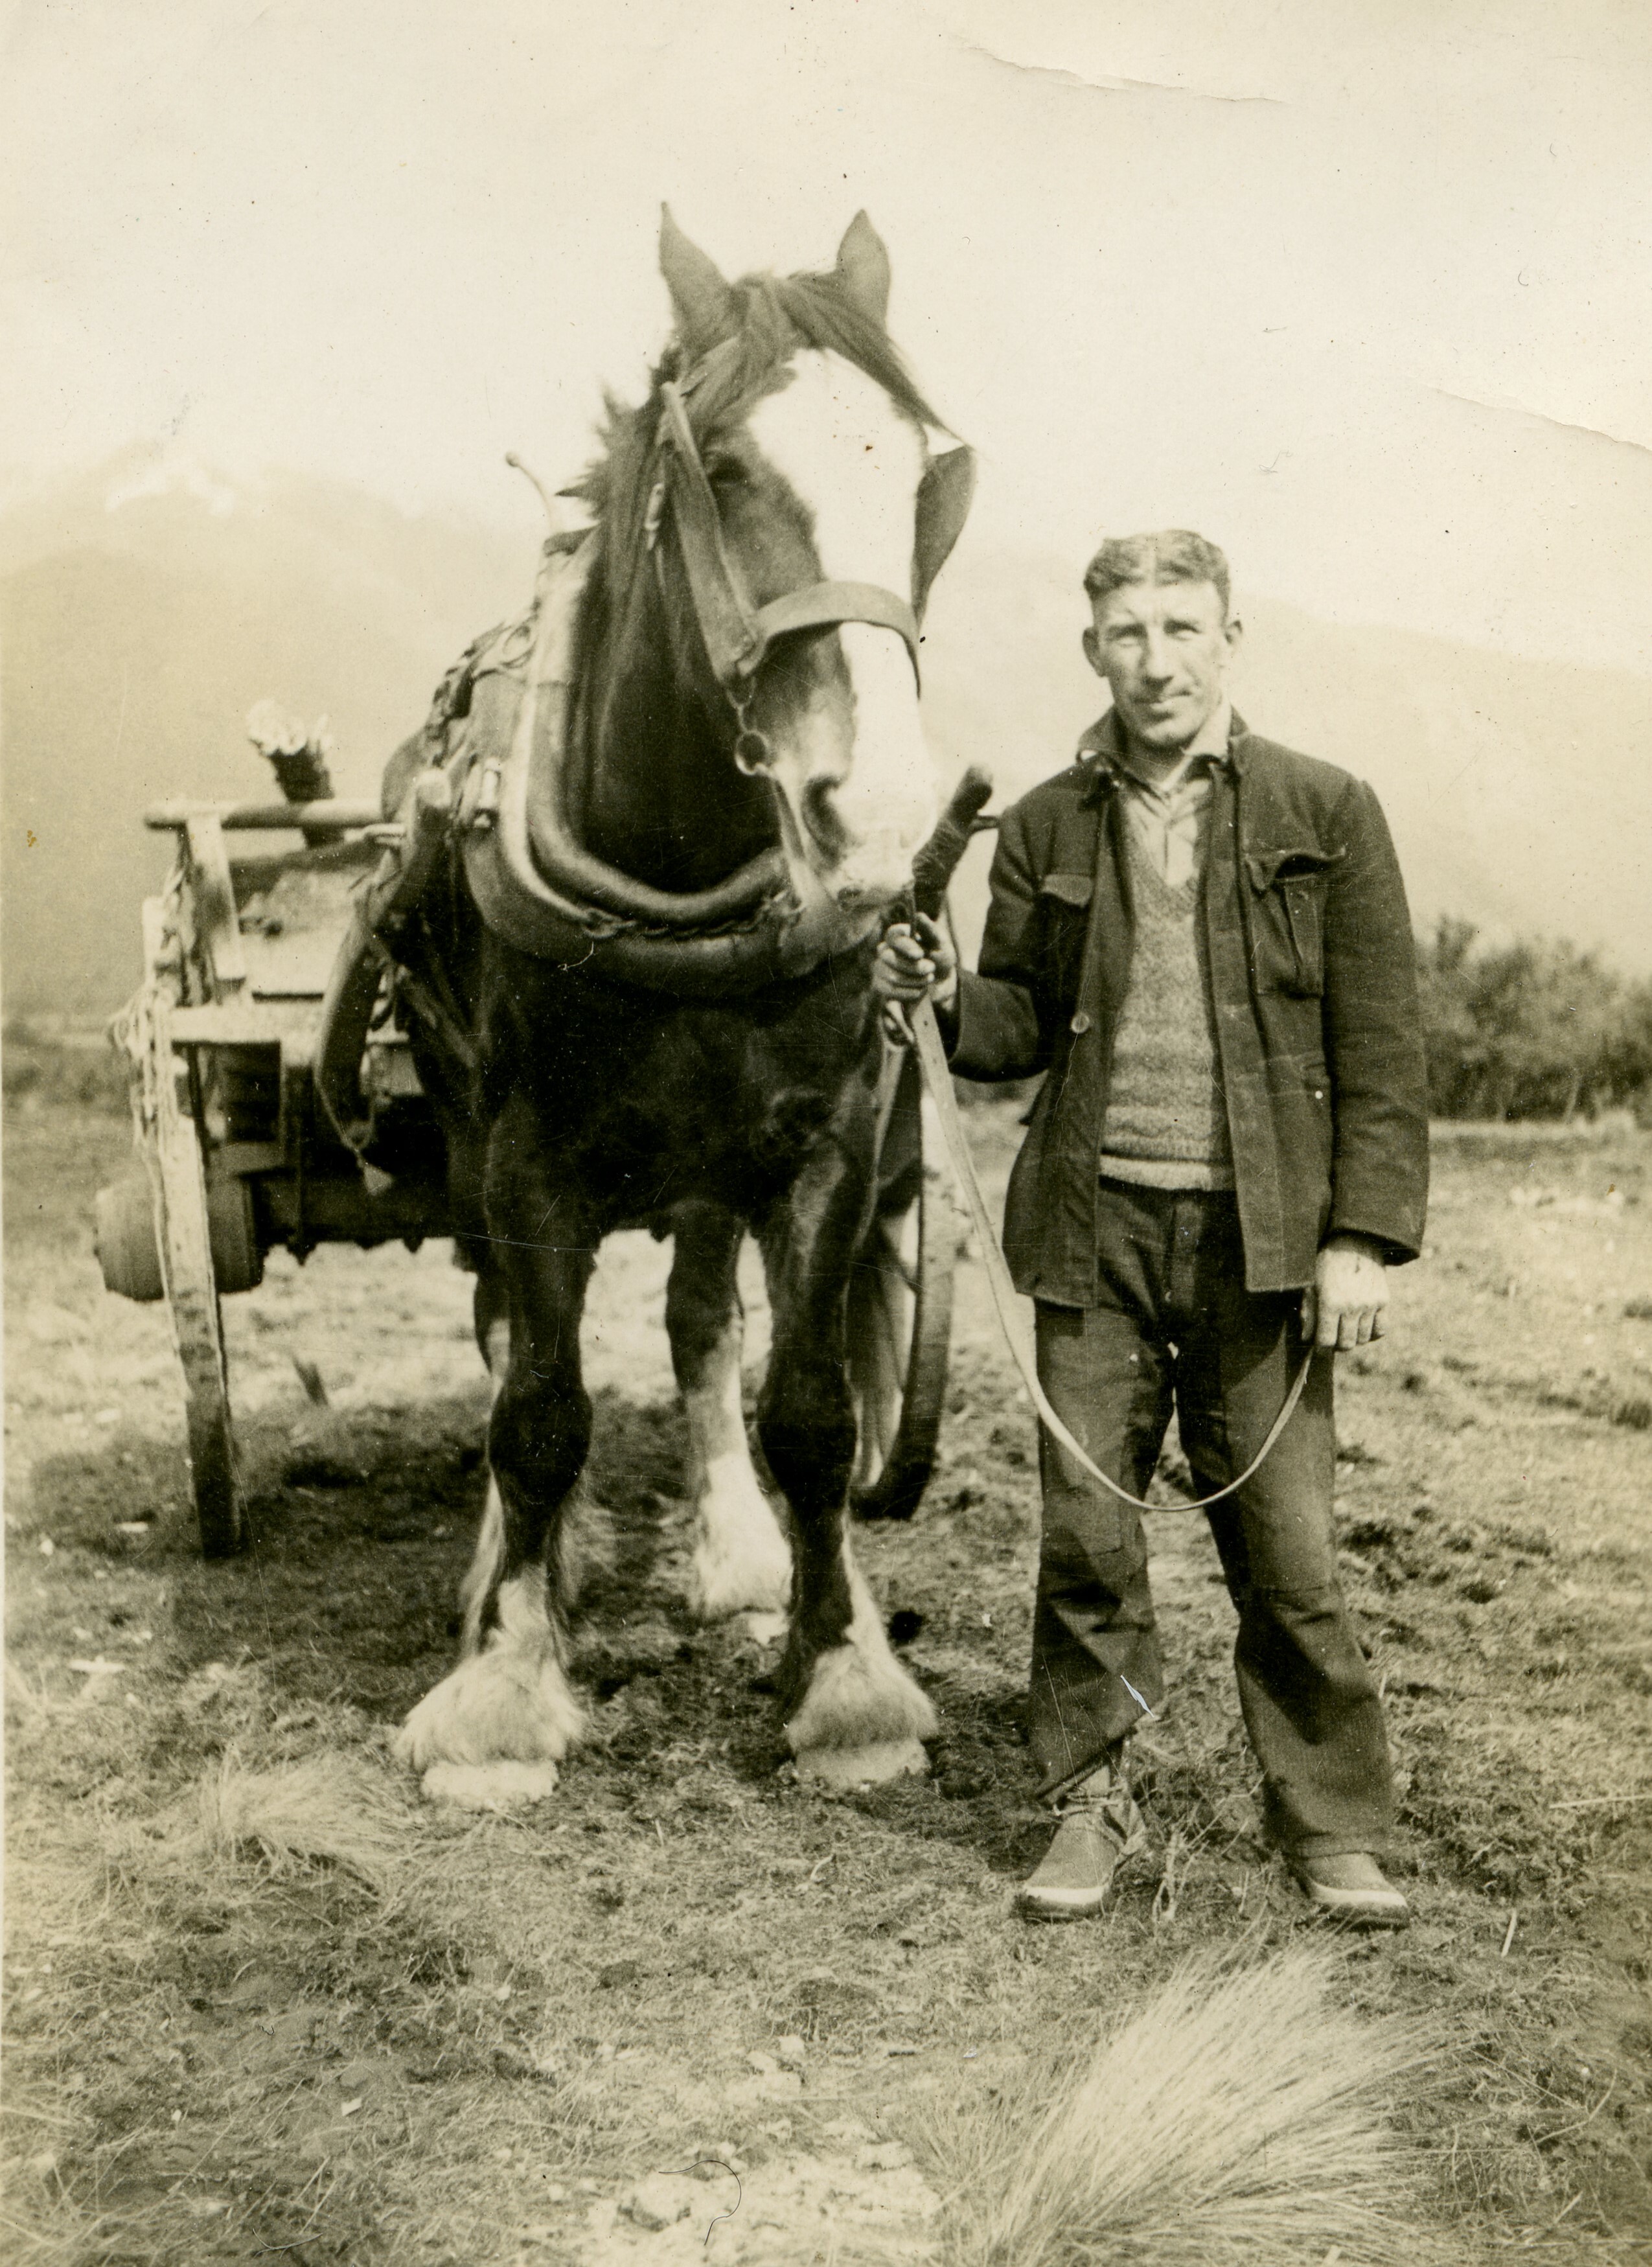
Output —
(134, 640)
(132, 643)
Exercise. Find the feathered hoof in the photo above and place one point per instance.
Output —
(742, 1566)
(862, 1717)
(871, 1765)
(490, 1787)
(501, 1707)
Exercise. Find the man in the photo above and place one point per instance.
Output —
(1201, 939)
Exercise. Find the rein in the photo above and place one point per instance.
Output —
(937, 1077)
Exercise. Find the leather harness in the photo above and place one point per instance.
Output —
(737, 636)
(534, 880)
(686, 942)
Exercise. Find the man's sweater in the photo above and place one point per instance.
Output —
(1166, 1123)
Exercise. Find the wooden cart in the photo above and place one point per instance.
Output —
(236, 1156)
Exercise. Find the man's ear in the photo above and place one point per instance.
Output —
(1233, 631)
(1092, 651)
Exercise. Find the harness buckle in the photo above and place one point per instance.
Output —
(485, 811)
(654, 515)
(753, 751)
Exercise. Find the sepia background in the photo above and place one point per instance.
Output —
(1359, 288)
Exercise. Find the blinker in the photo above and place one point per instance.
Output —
(737, 634)
(945, 494)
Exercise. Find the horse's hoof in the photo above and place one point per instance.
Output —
(490, 1787)
(746, 1568)
(509, 1705)
(841, 1768)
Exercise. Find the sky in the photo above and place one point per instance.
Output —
(1363, 290)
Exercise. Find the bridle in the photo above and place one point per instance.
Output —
(737, 636)
(552, 895)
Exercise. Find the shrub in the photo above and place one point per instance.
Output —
(1535, 1029)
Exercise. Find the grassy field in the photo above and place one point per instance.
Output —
(262, 2003)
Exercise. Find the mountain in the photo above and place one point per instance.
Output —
(141, 617)
(133, 641)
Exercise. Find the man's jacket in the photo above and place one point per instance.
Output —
(1307, 945)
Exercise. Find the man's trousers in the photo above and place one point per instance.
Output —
(1176, 1327)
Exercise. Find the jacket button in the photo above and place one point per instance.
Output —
(1080, 1023)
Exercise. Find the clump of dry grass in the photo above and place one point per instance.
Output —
(1237, 2117)
(326, 1809)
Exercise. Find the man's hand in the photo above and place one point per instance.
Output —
(909, 966)
(1350, 1291)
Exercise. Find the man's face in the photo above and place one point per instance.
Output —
(1164, 649)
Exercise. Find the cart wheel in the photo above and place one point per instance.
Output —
(124, 1236)
(900, 1310)
(183, 1229)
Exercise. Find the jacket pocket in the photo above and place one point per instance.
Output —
(1063, 919)
(1288, 901)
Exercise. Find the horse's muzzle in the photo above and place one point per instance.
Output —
(872, 877)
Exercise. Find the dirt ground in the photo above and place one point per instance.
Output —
(263, 2002)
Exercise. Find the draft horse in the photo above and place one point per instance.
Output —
(741, 784)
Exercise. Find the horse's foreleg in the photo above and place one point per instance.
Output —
(491, 1313)
(853, 1713)
(493, 1731)
(741, 1559)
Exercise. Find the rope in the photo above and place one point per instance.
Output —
(937, 1077)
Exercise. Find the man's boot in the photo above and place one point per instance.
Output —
(1100, 1826)
(1352, 1888)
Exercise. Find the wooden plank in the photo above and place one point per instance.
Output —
(293, 965)
(217, 920)
(323, 816)
(244, 1024)
(243, 1158)
(173, 1159)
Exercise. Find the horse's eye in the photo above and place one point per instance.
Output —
(723, 471)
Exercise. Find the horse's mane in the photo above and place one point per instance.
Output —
(775, 316)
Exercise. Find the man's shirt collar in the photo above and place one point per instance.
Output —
(1102, 747)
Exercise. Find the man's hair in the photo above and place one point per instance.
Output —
(1176, 555)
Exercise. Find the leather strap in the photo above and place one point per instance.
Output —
(737, 635)
(944, 502)
(818, 603)
(938, 1078)
(728, 623)
(536, 833)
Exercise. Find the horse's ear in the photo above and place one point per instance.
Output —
(864, 267)
(704, 303)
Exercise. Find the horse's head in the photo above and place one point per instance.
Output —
(808, 517)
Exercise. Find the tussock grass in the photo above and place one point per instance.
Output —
(60, 2237)
(1231, 2117)
(323, 1809)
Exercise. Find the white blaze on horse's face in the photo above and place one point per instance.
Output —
(859, 790)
